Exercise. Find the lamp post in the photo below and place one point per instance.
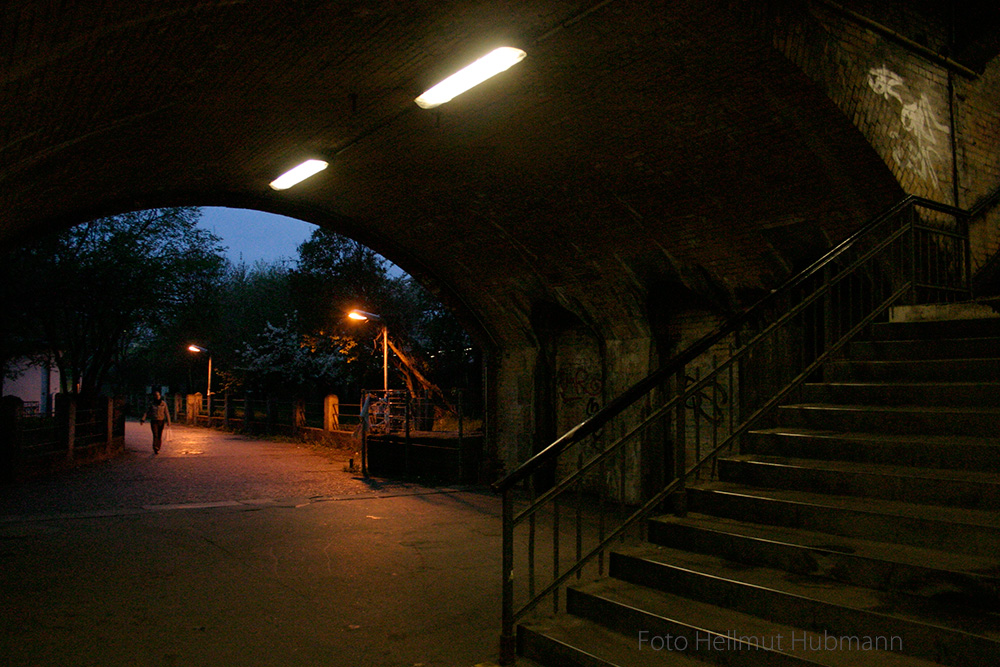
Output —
(362, 316)
(197, 349)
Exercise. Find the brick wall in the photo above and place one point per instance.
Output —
(899, 100)
(977, 127)
(935, 126)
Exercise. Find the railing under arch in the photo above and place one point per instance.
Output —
(698, 404)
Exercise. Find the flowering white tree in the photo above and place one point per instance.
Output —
(283, 359)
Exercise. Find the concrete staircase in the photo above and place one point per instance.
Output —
(863, 530)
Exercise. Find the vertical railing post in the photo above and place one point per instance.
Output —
(696, 415)
(507, 639)
(109, 407)
(680, 443)
(461, 430)
(555, 550)
(911, 214)
(963, 225)
(579, 511)
(531, 539)
(732, 409)
(365, 427)
(406, 436)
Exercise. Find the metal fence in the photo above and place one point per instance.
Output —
(80, 430)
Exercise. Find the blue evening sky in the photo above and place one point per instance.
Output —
(251, 236)
(255, 235)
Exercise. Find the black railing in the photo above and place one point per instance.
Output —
(80, 430)
(698, 404)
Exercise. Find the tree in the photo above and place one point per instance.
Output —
(281, 358)
(337, 274)
(87, 294)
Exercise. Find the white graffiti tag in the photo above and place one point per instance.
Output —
(919, 149)
(886, 83)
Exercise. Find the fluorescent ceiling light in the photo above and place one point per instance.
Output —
(298, 174)
(492, 63)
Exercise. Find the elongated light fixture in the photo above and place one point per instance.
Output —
(298, 174)
(493, 63)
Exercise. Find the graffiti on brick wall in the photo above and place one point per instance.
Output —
(580, 385)
(709, 402)
(920, 146)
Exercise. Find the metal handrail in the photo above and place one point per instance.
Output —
(908, 256)
(666, 370)
(987, 202)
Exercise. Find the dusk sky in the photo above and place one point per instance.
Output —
(254, 235)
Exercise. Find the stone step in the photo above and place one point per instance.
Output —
(952, 529)
(933, 348)
(947, 635)
(913, 420)
(571, 641)
(952, 394)
(937, 329)
(944, 451)
(929, 486)
(939, 576)
(723, 636)
(981, 369)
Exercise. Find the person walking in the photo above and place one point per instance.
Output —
(159, 416)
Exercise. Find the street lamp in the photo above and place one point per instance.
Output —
(198, 349)
(362, 316)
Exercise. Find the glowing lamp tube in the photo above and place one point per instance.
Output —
(298, 174)
(489, 65)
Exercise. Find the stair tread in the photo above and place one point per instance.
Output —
(978, 477)
(608, 646)
(941, 360)
(868, 600)
(867, 436)
(900, 383)
(934, 328)
(923, 409)
(956, 515)
(709, 618)
(982, 339)
(967, 564)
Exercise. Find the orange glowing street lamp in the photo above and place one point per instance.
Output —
(362, 316)
(198, 349)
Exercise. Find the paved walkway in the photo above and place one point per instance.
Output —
(223, 550)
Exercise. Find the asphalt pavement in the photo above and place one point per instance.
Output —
(226, 550)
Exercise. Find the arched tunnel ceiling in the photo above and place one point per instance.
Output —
(638, 143)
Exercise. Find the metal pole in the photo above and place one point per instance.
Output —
(385, 361)
(680, 444)
(406, 437)
(507, 640)
(460, 468)
(208, 398)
